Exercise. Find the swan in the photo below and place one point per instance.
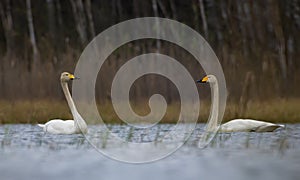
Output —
(58, 126)
(235, 125)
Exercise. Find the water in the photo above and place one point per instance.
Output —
(28, 153)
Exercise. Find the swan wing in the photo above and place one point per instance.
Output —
(58, 126)
(268, 128)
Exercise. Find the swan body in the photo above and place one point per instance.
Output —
(248, 125)
(58, 126)
(236, 125)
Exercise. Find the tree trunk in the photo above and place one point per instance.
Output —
(9, 59)
(203, 17)
(90, 17)
(163, 8)
(32, 33)
(7, 23)
(155, 10)
(78, 13)
(277, 25)
(117, 10)
(173, 9)
(243, 27)
(58, 12)
(51, 20)
(119, 7)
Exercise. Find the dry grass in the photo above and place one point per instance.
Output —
(40, 111)
(32, 111)
(278, 110)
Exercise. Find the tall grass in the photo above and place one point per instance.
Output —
(40, 111)
(36, 111)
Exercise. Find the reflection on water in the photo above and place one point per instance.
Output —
(27, 150)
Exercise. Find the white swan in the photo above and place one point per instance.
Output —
(58, 126)
(236, 125)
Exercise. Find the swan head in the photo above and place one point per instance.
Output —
(209, 78)
(65, 77)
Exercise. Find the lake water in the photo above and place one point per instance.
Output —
(26, 152)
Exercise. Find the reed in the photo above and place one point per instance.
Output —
(40, 111)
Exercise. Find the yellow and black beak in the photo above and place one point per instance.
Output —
(72, 77)
(203, 80)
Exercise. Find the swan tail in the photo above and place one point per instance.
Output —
(41, 125)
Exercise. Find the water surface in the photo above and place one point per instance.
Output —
(26, 152)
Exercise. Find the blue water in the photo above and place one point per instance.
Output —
(26, 152)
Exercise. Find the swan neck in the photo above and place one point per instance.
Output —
(213, 120)
(80, 125)
(69, 98)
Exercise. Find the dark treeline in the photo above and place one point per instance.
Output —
(257, 42)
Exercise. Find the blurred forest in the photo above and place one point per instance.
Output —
(257, 43)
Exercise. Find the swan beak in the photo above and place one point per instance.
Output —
(203, 80)
(72, 77)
